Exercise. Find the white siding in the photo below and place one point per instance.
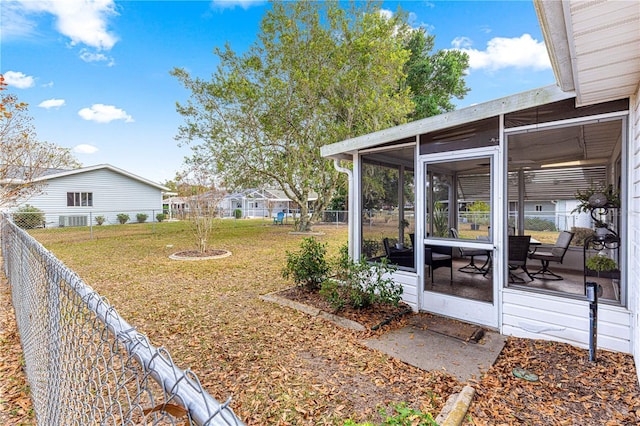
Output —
(633, 250)
(539, 316)
(113, 193)
(409, 282)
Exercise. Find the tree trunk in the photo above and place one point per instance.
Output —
(304, 224)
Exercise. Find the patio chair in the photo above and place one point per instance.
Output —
(518, 253)
(279, 219)
(471, 267)
(555, 255)
(400, 258)
(438, 256)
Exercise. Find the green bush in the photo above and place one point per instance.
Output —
(401, 415)
(141, 217)
(580, 234)
(237, 213)
(28, 217)
(308, 266)
(160, 217)
(122, 218)
(361, 284)
(539, 224)
(371, 248)
(99, 220)
(440, 220)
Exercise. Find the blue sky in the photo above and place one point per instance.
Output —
(96, 73)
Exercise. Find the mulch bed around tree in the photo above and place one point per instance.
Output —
(196, 253)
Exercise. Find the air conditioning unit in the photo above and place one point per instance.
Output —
(72, 221)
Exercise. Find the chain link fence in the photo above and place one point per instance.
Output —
(85, 364)
(45, 225)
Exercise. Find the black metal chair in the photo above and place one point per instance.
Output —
(471, 267)
(403, 258)
(555, 255)
(518, 253)
(438, 256)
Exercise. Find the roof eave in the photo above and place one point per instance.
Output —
(98, 167)
(493, 108)
(552, 19)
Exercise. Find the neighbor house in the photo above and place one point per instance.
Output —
(260, 203)
(76, 197)
(512, 152)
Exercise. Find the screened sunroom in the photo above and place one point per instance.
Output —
(477, 208)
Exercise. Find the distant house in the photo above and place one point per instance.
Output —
(259, 203)
(76, 197)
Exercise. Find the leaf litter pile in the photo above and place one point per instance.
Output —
(283, 367)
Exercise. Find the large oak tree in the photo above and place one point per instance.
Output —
(317, 74)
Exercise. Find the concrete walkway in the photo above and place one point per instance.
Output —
(435, 348)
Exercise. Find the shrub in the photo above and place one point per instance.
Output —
(99, 220)
(28, 217)
(361, 284)
(308, 266)
(371, 248)
(141, 217)
(401, 415)
(160, 217)
(123, 218)
(237, 213)
(580, 234)
(539, 224)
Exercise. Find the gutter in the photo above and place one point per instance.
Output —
(350, 208)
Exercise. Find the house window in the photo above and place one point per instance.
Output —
(79, 199)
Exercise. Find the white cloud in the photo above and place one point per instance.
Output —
(386, 13)
(89, 56)
(230, 4)
(462, 42)
(85, 149)
(14, 23)
(51, 103)
(83, 21)
(18, 79)
(518, 52)
(101, 113)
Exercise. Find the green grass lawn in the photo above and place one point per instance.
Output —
(279, 365)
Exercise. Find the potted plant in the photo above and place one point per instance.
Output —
(602, 266)
(601, 263)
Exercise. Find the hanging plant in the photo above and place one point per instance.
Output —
(597, 197)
